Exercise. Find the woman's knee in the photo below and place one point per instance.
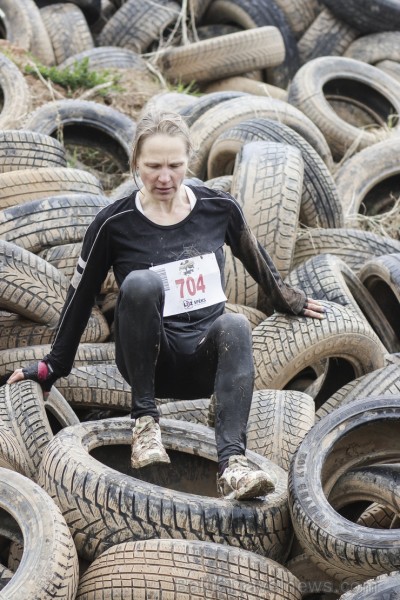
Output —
(142, 285)
(233, 324)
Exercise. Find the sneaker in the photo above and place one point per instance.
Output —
(147, 447)
(211, 411)
(241, 482)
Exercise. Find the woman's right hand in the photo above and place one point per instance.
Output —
(41, 372)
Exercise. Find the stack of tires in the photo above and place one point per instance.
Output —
(296, 115)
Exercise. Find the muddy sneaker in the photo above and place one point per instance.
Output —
(241, 482)
(211, 411)
(147, 447)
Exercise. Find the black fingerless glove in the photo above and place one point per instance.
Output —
(42, 373)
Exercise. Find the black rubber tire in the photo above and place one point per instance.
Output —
(240, 287)
(20, 149)
(351, 83)
(376, 589)
(225, 115)
(267, 183)
(136, 25)
(390, 67)
(378, 516)
(278, 422)
(253, 315)
(283, 346)
(191, 112)
(368, 183)
(15, 331)
(96, 386)
(49, 565)
(367, 15)
(381, 277)
(31, 287)
(223, 183)
(87, 353)
(17, 187)
(68, 30)
(327, 277)
(322, 457)
(354, 246)
(232, 54)
(11, 455)
(245, 85)
(56, 220)
(299, 14)
(23, 415)
(254, 14)
(326, 36)
(88, 124)
(16, 95)
(90, 8)
(313, 580)
(320, 204)
(108, 57)
(203, 569)
(120, 507)
(376, 47)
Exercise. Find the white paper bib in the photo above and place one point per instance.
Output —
(190, 284)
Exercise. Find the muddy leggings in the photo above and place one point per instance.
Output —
(221, 363)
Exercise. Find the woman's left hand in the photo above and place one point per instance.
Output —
(313, 308)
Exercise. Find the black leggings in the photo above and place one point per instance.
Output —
(222, 362)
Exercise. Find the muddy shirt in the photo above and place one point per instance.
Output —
(123, 238)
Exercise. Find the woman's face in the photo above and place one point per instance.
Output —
(162, 163)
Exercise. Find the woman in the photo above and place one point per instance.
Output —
(172, 338)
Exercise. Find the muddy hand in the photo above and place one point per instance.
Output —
(314, 309)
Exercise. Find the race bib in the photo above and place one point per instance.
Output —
(190, 284)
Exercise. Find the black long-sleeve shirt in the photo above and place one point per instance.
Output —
(123, 238)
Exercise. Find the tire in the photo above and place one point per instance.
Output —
(377, 516)
(391, 68)
(137, 25)
(267, 183)
(13, 358)
(20, 149)
(218, 57)
(88, 124)
(320, 204)
(49, 565)
(354, 246)
(299, 14)
(194, 110)
(278, 422)
(247, 86)
(249, 15)
(23, 415)
(283, 346)
(15, 93)
(240, 287)
(25, 29)
(349, 83)
(376, 589)
(327, 277)
(11, 455)
(376, 47)
(31, 287)
(223, 183)
(63, 257)
(68, 30)
(326, 36)
(313, 580)
(96, 386)
(254, 316)
(5, 576)
(215, 121)
(367, 484)
(22, 186)
(367, 15)
(367, 183)
(53, 221)
(16, 332)
(120, 507)
(107, 57)
(204, 570)
(322, 457)
(193, 411)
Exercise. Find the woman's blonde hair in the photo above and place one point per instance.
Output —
(157, 121)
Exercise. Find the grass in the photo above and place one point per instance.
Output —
(76, 77)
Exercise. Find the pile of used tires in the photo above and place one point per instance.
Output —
(298, 118)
